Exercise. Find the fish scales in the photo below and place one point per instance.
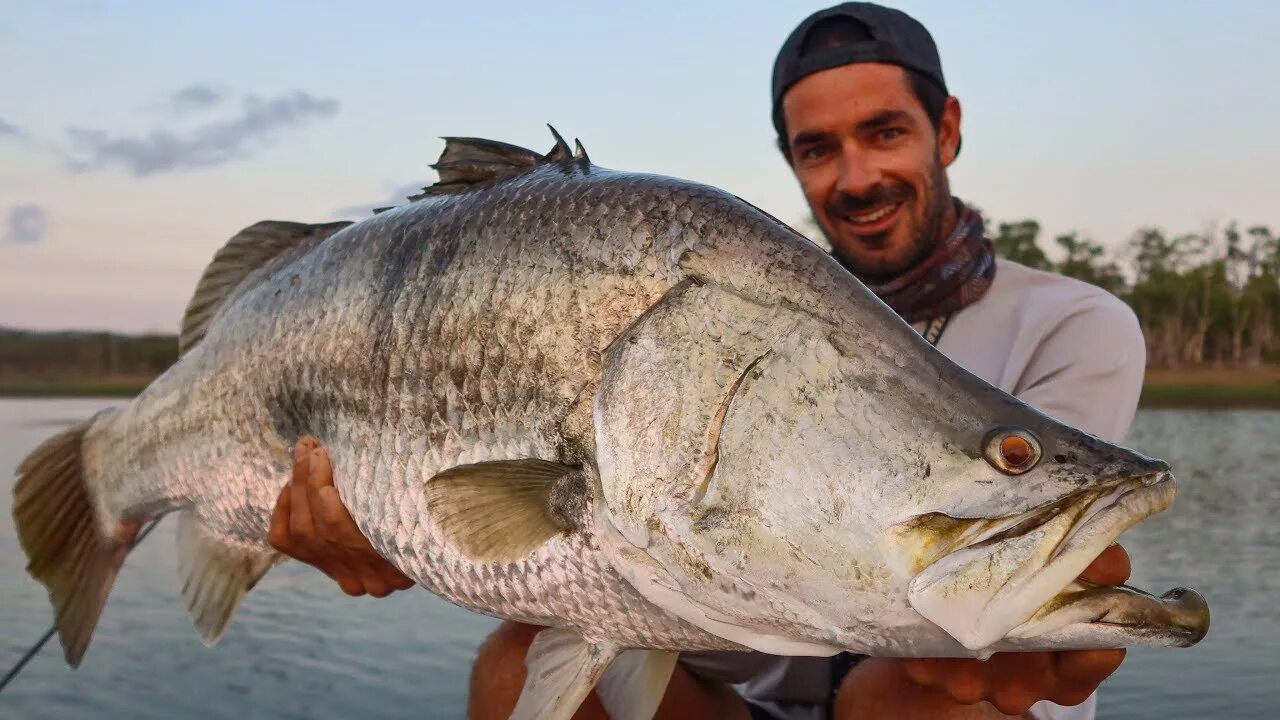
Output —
(387, 343)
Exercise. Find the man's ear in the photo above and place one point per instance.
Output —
(949, 131)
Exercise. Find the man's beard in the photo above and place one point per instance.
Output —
(925, 237)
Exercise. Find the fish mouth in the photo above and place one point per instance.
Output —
(1016, 577)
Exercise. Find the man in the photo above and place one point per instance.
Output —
(868, 128)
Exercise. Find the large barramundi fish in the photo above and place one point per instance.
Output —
(635, 409)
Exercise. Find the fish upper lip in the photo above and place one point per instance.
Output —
(1037, 516)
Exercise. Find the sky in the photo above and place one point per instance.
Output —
(137, 137)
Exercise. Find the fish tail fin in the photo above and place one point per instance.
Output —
(216, 574)
(68, 550)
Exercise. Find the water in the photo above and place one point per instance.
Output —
(299, 648)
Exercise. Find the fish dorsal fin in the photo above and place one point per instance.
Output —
(562, 668)
(468, 162)
(253, 248)
(500, 511)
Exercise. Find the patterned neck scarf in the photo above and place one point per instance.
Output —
(956, 274)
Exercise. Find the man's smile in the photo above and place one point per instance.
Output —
(875, 221)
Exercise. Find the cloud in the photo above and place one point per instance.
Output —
(211, 144)
(26, 224)
(196, 96)
(399, 196)
(8, 129)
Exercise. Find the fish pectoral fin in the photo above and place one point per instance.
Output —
(633, 686)
(561, 668)
(500, 511)
(216, 575)
(248, 250)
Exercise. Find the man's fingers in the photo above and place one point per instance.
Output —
(1087, 667)
(400, 581)
(966, 680)
(320, 477)
(340, 528)
(301, 526)
(923, 671)
(278, 535)
(1109, 568)
(374, 584)
(301, 457)
(1013, 699)
(1020, 680)
(349, 581)
(1070, 694)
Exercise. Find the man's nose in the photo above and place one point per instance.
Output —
(857, 175)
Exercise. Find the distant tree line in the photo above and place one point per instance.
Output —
(1203, 297)
(52, 355)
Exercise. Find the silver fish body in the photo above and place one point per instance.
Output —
(632, 408)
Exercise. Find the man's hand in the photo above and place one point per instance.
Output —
(1013, 682)
(311, 524)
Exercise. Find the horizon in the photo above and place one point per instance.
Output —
(141, 136)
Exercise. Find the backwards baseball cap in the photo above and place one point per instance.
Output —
(883, 35)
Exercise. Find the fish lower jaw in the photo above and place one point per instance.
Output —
(1086, 615)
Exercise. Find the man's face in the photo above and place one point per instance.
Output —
(871, 165)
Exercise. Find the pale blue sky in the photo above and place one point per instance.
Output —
(1091, 116)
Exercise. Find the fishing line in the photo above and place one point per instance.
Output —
(26, 658)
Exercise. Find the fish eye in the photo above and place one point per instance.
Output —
(1012, 451)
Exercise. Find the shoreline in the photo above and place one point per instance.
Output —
(1191, 388)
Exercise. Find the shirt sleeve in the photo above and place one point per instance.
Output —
(1087, 371)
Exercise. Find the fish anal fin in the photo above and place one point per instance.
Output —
(633, 686)
(500, 511)
(216, 574)
(561, 667)
(253, 248)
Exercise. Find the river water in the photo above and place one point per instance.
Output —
(299, 648)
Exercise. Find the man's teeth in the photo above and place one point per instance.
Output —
(874, 216)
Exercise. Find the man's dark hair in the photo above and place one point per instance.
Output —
(837, 31)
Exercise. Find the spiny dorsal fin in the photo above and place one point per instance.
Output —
(468, 162)
(579, 152)
(500, 511)
(561, 151)
(249, 250)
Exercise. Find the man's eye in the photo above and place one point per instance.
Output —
(889, 134)
(813, 153)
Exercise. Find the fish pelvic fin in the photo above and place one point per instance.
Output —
(263, 246)
(68, 549)
(633, 686)
(561, 667)
(502, 510)
(216, 574)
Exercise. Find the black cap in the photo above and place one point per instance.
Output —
(893, 37)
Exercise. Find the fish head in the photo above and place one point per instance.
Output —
(795, 461)
(902, 493)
